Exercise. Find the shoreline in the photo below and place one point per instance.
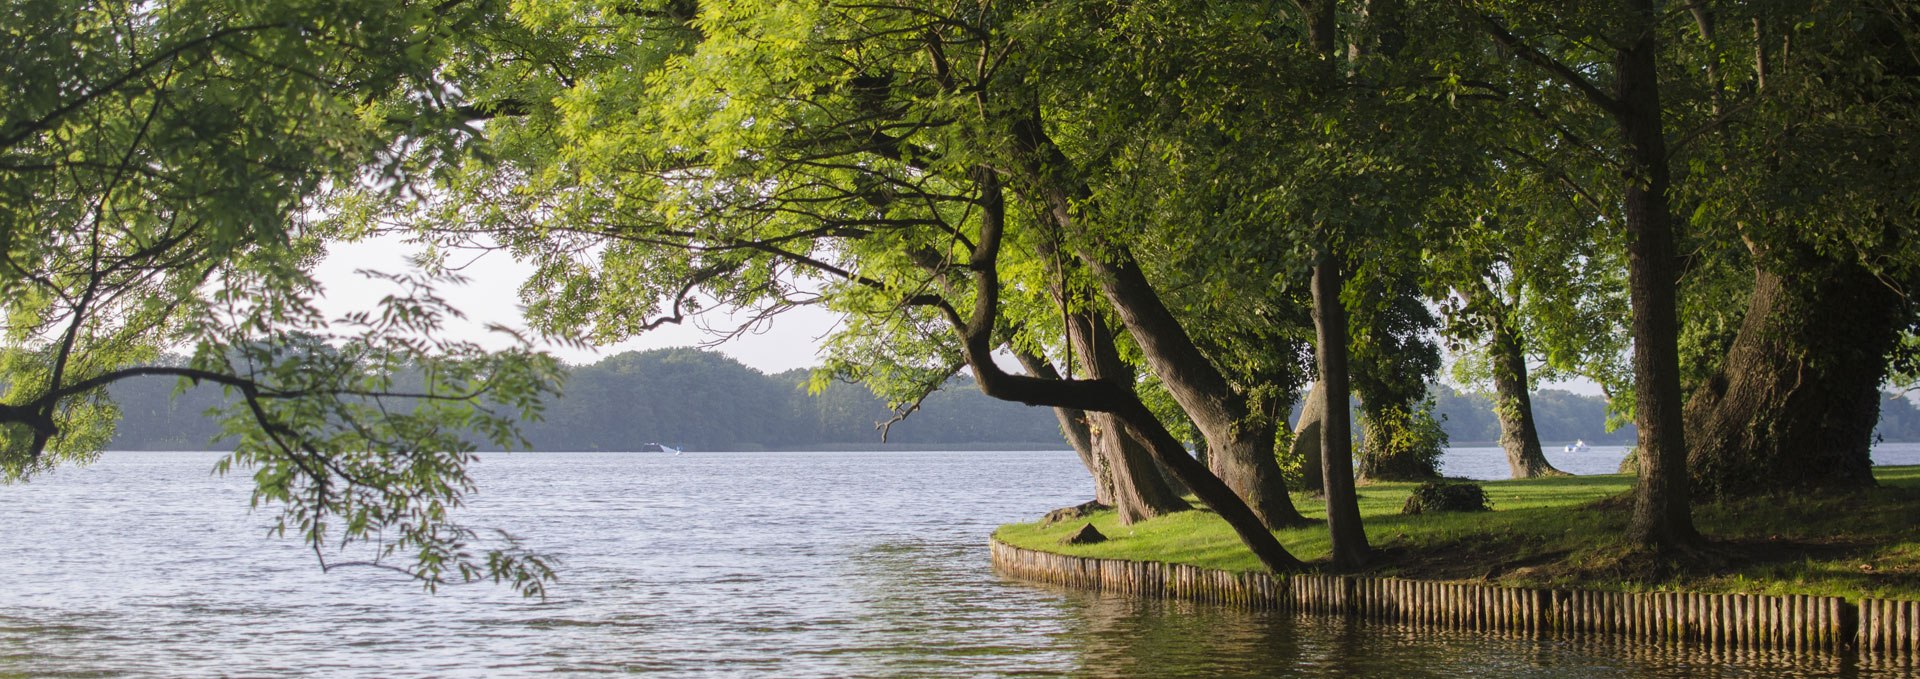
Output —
(1874, 629)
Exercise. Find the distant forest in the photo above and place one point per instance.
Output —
(701, 400)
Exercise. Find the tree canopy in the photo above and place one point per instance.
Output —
(162, 174)
(1175, 214)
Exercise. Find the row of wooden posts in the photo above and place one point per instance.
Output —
(1876, 628)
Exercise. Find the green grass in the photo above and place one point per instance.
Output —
(1565, 532)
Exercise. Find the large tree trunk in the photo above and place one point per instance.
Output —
(1240, 443)
(1306, 440)
(1662, 511)
(1794, 405)
(1513, 404)
(1350, 549)
(1135, 485)
(977, 332)
(1140, 491)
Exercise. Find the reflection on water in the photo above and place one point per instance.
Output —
(1122, 637)
(717, 564)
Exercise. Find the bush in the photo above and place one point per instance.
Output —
(1434, 496)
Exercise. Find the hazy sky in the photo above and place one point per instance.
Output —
(492, 296)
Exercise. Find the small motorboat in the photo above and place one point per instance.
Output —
(1578, 446)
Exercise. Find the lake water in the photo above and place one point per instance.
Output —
(704, 564)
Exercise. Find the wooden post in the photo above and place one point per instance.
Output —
(1743, 608)
(1816, 623)
(1797, 622)
(1770, 616)
(1822, 625)
(1869, 625)
(1637, 621)
(1722, 621)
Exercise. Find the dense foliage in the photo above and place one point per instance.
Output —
(1173, 213)
(163, 168)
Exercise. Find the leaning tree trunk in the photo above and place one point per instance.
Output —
(1306, 440)
(1795, 403)
(976, 333)
(1139, 491)
(1513, 405)
(1240, 441)
(1128, 477)
(1079, 433)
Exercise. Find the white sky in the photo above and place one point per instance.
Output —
(493, 296)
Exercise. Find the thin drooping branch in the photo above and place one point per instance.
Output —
(923, 390)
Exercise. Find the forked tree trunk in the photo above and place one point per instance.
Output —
(1240, 441)
(1513, 405)
(1306, 440)
(1349, 538)
(977, 331)
(1795, 403)
(1139, 491)
(1240, 448)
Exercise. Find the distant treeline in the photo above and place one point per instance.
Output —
(701, 400)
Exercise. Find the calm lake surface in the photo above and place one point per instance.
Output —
(704, 564)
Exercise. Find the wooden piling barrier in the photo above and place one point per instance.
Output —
(1879, 630)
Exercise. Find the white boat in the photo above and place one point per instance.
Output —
(1578, 446)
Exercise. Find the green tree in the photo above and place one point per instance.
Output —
(161, 166)
(1806, 212)
(865, 157)
(1596, 80)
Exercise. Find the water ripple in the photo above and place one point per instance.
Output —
(702, 565)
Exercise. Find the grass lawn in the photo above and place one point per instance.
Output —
(1564, 532)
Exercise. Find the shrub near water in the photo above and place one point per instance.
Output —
(1434, 496)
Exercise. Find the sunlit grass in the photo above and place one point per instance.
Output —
(1566, 532)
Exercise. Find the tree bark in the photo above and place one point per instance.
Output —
(1794, 405)
(1349, 538)
(1140, 491)
(1662, 512)
(1240, 441)
(1137, 486)
(1513, 403)
(1306, 440)
(976, 332)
